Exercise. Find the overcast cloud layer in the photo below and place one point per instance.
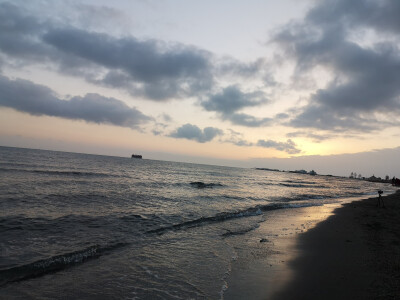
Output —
(356, 43)
(150, 68)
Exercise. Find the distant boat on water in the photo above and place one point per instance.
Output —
(136, 156)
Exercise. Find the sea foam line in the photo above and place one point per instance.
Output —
(54, 264)
(224, 216)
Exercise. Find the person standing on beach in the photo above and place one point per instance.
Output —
(380, 200)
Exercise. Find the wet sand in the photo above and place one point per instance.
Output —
(353, 254)
(336, 251)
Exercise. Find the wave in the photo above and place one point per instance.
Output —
(295, 185)
(49, 226)
(302, 197)
(240, 231)
(300, 182)
(297, 205)
(207, 220)
(224, 216)
(19, 164)
(202, 185)
(61, 173)
(54, 264)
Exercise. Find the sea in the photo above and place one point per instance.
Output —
(81, 226)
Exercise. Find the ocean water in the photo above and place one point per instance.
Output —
(79, 226)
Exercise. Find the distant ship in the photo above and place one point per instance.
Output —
(136, 156)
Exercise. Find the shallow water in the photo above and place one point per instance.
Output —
(84, 226)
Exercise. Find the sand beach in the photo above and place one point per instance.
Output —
(354, 254)
(351, 251)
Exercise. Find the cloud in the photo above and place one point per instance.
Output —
(192, 132)
(18, 31)
(161, 70)
(366, 78)
(230, 100)
(148, 68)
(317, 138)
(151, 69)
(289, 146)
(166, 118)
(380, 15)
(157, 132)
(230, 66)
(237, 139)
(104, 17)
(26, 96)
(247, 120)
(241, 143)
(160, 127)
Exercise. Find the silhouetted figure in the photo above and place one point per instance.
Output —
(380, 200)
(394, 180)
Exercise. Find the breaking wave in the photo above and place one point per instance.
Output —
(301, 184)
(202, 185)
(224, 216)
(54, 264)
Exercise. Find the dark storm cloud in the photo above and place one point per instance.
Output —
(25, 96)
(366, 78)
(289, 146)
(231, 100)
(192, 132)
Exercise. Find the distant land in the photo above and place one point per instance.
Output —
(353, 175)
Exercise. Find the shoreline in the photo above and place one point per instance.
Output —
(354, 254)
(347, 251)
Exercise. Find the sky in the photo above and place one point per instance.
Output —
(282, 84)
